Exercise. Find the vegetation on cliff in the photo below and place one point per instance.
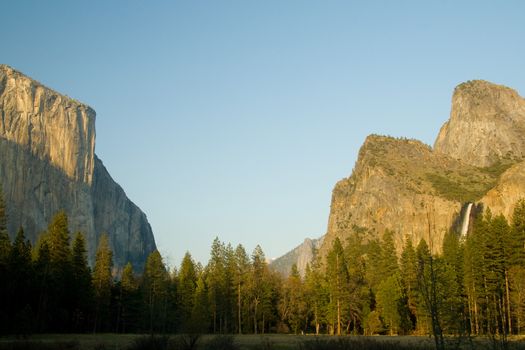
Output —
(417, 168)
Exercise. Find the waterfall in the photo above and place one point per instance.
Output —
(466, 219)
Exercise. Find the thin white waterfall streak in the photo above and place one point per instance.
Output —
(466, 219)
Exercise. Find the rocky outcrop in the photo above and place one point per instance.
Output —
(510, 188)
(393, 187)
(486, 125)
(301, 256)
(47, 143)
(418, 192)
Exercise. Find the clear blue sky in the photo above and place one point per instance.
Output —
(236, 118)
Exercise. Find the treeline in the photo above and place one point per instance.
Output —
(476, 286)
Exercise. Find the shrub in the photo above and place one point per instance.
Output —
(186, 341)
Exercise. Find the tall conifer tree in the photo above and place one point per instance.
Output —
(337, 278)
(187, 283)
(155, 289)
(102, 282)
(242, 267)
(81, 284)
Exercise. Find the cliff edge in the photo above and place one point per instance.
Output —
(48, 163)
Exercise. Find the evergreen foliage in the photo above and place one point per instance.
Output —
(102, 284)
(476, 286)
(187, 284)
(155, 288)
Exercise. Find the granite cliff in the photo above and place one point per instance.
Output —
(493, 118)
(48, 163)
(403, 186)
(301, 256)
(421, 192)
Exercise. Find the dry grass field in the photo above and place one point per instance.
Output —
(244, 342)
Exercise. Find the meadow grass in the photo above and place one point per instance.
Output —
(238, 342)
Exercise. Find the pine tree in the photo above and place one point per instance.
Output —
(58, 240)
(61, 298)
(359, 302)
(102, 283)
(240, 278)
(155, 291)
(516, 271)
(187, 283)
(316, 295)
(388, 261)
(292, 306)
(337, 278)
(428, 285)
(374, 265)
(497, 260)
(408, 275)
(129, 314)
(43, 285)
(81, 284)
(272, 292)
(389, 296)
(517, 287)
(518, 234)
(200, 315)
(5, 247)
(259, 289)
(455, 309)
(474, 274)
(230, 289)
(217, 285)
(20, 286)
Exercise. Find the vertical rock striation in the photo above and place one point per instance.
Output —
(49, 125)
(391, 188)
(48, 163)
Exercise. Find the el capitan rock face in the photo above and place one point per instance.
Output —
(49, 125)
(48, 163)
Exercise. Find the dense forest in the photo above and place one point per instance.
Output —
(476, 286)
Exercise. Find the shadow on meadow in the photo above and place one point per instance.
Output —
(272, 342)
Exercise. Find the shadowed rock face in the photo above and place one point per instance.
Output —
(48, 164)
(114, 213)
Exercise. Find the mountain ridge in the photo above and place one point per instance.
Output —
(420, 192)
